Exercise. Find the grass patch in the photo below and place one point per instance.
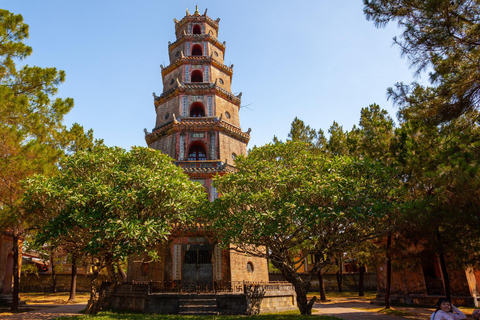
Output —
(53, 298)
(394, 312)
(109, 315)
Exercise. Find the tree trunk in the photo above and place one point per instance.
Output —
(303, 304)
(105, 294)
(389, 272)
(91, 307)
(54, 275)
(443, 266)
(339, 274)
(361, 281)
(321, 285)
(16, 272)
(73, 282)
(122, 273)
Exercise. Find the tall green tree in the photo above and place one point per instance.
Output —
(112, 203)
(30, 126)
(442, 37)
(296, 203)
(442, 176)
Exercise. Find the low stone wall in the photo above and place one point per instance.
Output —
(43, 282)
(256, 299)
(349, 281)
(417, 299)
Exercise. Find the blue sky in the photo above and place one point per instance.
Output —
(319, 60)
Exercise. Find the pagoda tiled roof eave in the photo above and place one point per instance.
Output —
(185, 87)
(208, 37)
(201, 124)
(180, 61)
(223, 167)
(188, 18)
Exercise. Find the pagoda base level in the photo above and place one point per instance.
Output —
(205, 303)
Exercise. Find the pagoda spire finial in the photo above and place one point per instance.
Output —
(196, 11)
(188, 12)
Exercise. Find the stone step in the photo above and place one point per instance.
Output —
(198, 313)
(198, 302)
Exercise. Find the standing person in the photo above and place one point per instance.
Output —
(447, 311)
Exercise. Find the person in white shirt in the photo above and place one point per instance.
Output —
(447, 311)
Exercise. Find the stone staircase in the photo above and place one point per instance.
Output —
(198, 305)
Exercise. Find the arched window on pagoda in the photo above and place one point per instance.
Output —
(197, 76)
(196, 50)
(196, 152)
(197, 110)
(197, 29)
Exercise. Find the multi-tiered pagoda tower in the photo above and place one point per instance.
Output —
(198, 125)
(198, 121)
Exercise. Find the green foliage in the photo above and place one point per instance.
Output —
(297, 202)
(30, 122)
(442, 175)
(112, 203)
(442, 37)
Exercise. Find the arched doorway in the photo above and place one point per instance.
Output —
(196, 50)
(197, 110)
(197, 76)
(197, 152)
(197, 29)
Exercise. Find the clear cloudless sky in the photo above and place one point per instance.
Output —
(319, 60)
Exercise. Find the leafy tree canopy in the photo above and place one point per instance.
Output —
(113, 203)
(296, 202)
(441, 36)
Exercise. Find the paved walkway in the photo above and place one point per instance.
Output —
(349, 313)
(45, 313)
(356, 309)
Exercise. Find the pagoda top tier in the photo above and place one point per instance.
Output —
(196, 24)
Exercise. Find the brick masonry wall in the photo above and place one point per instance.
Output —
(221, 106)
(173, 75)
(166, 145)
(229, 145)
(219, 74)
(240, 272)
(212, 49)
(349, 281)
(141, 268)
(43, 282)
(171, 107)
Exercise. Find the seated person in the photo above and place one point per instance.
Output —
(447, 311)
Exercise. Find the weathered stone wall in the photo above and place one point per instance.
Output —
(43, 282)
(169, 80)
(216, 52)
(166, 144)
(141, 268)
(6, 262)
(168, 303)
(228, 146)
(223, 79)
(166, 110)
(222, 106)
(349, 281)
(240, 271)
